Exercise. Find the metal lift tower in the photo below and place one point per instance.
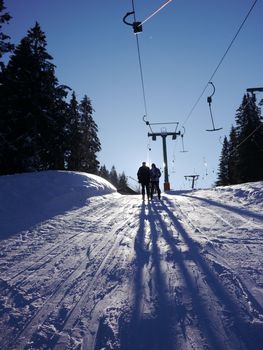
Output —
(163, 134)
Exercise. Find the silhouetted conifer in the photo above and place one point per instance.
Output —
(5, 45)
(114, 179)
(120, 181)
(242, 155)
(73, 135)
(104, 172)
(89, 141)
(250, 141)
(123, 183)
(233, 155)
(223, 173)
(33, 108)
(83, 143)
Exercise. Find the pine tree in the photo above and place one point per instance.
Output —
(242, 156)
(119, 181)
(83, 142)
(33, 108)
(223, 173)
(57, 143)
(114, 179)
(233, 157)
(89, 141)
(250, 141)
(73, 135)
(5, 45)
(123, 184)
(104, 172)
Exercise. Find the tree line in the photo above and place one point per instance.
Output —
(241, 157)
(120, 181)
(42, 124)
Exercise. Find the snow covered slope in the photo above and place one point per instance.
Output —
(31, 198)
(83, 267)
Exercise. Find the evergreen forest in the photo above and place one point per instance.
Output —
(241, 157)
(42, 124)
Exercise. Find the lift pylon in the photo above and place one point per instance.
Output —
(164, 134)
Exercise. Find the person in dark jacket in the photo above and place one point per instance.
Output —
(143, 175)
(155, 175)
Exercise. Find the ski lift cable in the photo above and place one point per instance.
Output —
(221, 61)
(141, 74)
(248, 137)
(136, 31)
(162, 123)
(155, 12)
(139, 58)
(165, 123)
(133, 11)
(258, 146)
(147, 123)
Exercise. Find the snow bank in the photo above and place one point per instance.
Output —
(245, 194)
(29, 198)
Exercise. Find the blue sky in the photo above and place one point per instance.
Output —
(96, 54)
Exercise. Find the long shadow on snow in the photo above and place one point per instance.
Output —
(152, 331)
(198, 306)
(251, 334)
(239, 211)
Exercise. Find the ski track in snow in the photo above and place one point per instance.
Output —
(122, 274)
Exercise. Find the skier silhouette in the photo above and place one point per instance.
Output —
(143, 175)
(155, 175)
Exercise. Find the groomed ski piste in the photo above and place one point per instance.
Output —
(83, 267)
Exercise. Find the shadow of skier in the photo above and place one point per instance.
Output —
(252, 336)
(146, 332)
(240, 211)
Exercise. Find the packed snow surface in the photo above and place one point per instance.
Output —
(83, 267)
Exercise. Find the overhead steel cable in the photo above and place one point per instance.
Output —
(140, 63)
(248, 137)
(156, 11)
(141, 74)
(221, 60)
(137, 27)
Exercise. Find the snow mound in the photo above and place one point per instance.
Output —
(242, 194)
(30, 198)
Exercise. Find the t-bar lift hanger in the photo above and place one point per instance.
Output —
(209, 100)
(137, 26)
(182, 138)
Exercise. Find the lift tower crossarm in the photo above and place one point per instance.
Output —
(193, 177)
(252, 90)
(256, 89)
(164, 134)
